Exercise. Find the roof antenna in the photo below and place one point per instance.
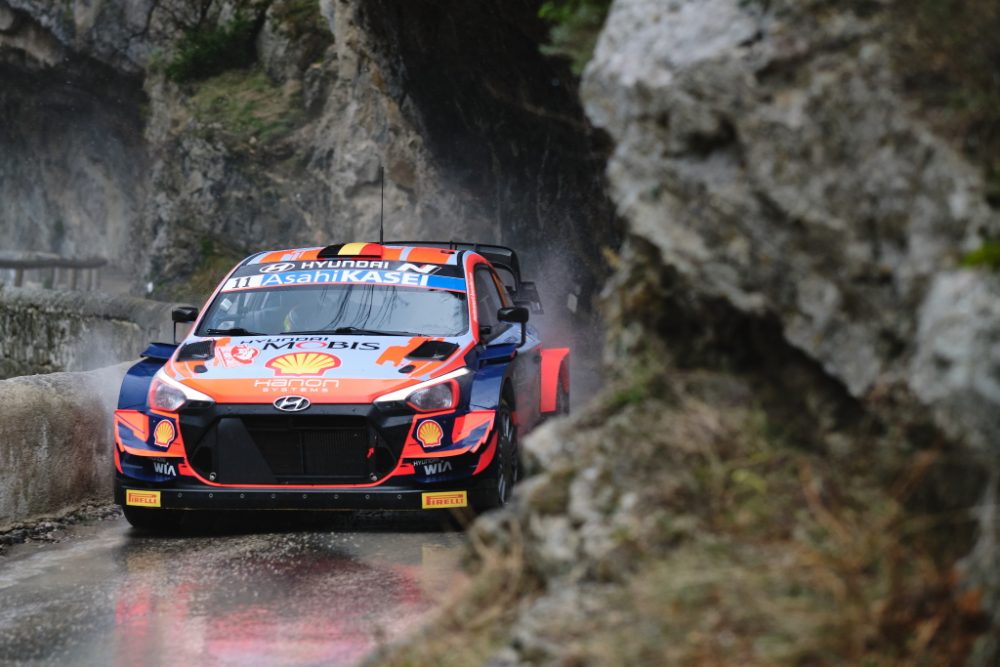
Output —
(381, 205)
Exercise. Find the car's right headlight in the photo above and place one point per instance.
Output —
(169, 395)
(442, 396)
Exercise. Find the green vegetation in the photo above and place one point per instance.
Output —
(247, 105)
(575, 26)
(215, 261)
(300, 17)
(208, 50)
(987, 256)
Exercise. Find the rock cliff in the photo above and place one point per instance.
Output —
(795, 459)
(769, 154)
(174, 167)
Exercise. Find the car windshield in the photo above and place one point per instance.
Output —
(351, 309)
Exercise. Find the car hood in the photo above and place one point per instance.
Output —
(333, 369)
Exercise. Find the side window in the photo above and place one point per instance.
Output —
(506, 301)
(488, 302)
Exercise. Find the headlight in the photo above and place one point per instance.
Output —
(438, 397)
(164, 397)
(168, 395)
(430, 396)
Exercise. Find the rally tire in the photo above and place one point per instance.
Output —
(504, 469)
(562, 404)
(562, 401)
(152, 520)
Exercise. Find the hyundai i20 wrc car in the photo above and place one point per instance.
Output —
(352, 376)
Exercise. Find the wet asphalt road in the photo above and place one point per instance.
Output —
(235, 591)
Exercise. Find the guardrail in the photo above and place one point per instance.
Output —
(75, 273)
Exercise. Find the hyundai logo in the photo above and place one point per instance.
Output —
(292, 403)
(277, 268)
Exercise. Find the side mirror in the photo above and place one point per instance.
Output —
(183, 315)
(517, 315)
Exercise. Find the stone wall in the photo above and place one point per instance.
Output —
(56, 441)
(42, 331)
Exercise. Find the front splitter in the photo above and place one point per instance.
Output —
(381, 498)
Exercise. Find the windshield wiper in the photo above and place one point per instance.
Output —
(352, 330)
(234, 331)
(373, 332)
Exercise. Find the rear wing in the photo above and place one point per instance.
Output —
(524, 292)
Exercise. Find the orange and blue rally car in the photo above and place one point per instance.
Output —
(354, 376)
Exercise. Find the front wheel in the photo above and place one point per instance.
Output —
(503, 470)
(157, 521)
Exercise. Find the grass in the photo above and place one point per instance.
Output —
(246, 104)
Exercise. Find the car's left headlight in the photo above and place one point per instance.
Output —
(441, 393)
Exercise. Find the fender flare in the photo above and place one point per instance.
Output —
(555, 373)
(135, 384)
(488, 385)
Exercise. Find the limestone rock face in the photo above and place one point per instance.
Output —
(177, 180)
(766, 151)
(774, 165)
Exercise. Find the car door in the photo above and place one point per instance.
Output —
(526, 366)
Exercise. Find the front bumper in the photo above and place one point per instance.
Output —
(200, 497)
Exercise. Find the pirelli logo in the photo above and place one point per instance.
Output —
(443, 499)
(142, 498)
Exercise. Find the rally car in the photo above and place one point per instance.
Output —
(353, 376)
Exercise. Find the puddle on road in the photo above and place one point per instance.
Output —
(312, 595)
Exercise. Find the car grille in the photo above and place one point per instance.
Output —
(306, 448)
(290, 449)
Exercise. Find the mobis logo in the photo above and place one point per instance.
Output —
(320, 345)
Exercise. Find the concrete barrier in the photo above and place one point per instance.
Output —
(44, 331)
(56, 441)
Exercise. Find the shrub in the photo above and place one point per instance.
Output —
(576, 24)
(207, 51)
(987, 255)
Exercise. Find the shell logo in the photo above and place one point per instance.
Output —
(429, 433)
(303, 363)
(164, 433)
